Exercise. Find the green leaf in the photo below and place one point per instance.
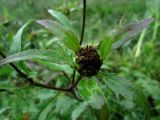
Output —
(103, 113)
(64, 104)
(68, 37)
(71, 41)
(47, 109)
(16, 44)
(5, 71)
(125, 88)
(87, 88)
(91, 93)
(60, 17)
(125, 33)
(78, 111)
(104, 47)
(3, 109)
(56, 67)
(58, 55)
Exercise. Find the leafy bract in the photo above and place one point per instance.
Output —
(125, 33)
(60, 17)
(58, 55)
(125, 88)
(68, 37)
(16, 44)
(104, 47)
(91, 93)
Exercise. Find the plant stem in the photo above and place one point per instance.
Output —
(83, 21)
(82, 34)
(73, 78)
(76, 83)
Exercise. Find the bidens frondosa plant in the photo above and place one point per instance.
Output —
(85, 60)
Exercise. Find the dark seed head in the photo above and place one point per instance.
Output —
(89, 61)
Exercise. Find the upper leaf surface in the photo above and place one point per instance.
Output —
(125, 33)
(68, 37)
(104, 47)
(90, 91)
(60, 17)
(58, 55)
(16, 44)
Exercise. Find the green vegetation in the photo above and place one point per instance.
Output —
(46, 85)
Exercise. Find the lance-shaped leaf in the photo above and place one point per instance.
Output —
(79, 110)
(125, 33)
(16, 44)
(91, 93)
(58, 55)
(60, 17)
(42, 115)
(67, 36)
(104, 47)
(125, 88)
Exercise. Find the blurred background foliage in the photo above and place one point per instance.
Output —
(138, 61)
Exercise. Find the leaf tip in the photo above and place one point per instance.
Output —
(50, 10)
(149, 20)
(43, 22)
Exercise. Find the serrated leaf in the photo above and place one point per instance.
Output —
(47, 109)
(68, 37)
(64, 104)
(87, 88)
(125, 88)
(57, 55)
(125, 33)
(78, 111)
(104, 47)
(90, 91)
(16, 44)
(60, 17)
